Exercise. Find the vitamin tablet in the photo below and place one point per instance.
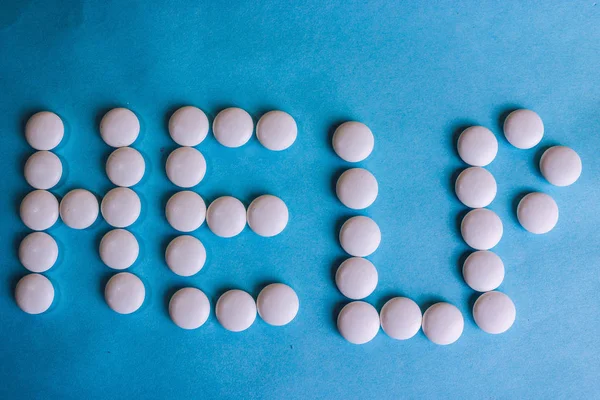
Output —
(483, 271)
(185, 255)
(185, 211)
(119, 249)
(401, 318)
(443, 323)
(189, 308)
(38, 252)
(277, 304)
(276, 130)
(358, 322)
(121, 207)
(494, 312)
(185, 167)
(119, 127)
(226, 216)
(44, 130)
(560, 165)
(360, 236)
(39, 210)
(34, 293)
(267, 215)
(357, 188)
(353, 141)
(537, 212)
(125, 167)
(356, 278)
(523, 129)
(124, 293)
(233, 127)
(188, 126)
(477, 146)
(79, 209)
(236, 310)
(43, 170)
(481, 229)
(475, 187)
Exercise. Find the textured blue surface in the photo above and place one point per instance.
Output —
(416, 74)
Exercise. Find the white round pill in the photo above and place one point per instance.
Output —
(276, 130)
(44, 130)
(523, 129)
(400, 318)
(233, 127)
(267, 215)
(39, 210)
(360, 236)
(483, 271)
(475, 187)
(356, 278)
(119, 249)
(185, 167)
(357, 188)
(443, 323)
(537, 212)
(38, 252)
(189, 308)
(124, 293)
(481, 229)
(477, 146)
(353, 141)
(188, 126)
(185, 211)
(277, 304)
(494, 312)
(560, 165)
(125, 167)
(236, 310)
(226, 216)
(34, 293)
(79, 209)
(185, 255)
(358, 322)
(119, 127)
(121, 207)
(43, 170)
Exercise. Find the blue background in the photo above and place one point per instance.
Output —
(416, 74)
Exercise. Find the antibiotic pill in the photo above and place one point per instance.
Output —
(477, 146)
(185, 255)
(188, 126)
(277, 304)
(119, 249)
(38, 252)
(267, 215)
(537, 212)
(236, 310)
(185, 167)
(44, 130)
(483, 271)
(226, 216)
(358, 322)
(79, 209)
(360, 236)
(443, 323)
(356, 278)
(475, 187)
(124, 293)
(125, 167)
(353, 141)
(357, 188)
(276, 130)
(560, 165)
(39, 210)
(523, 129)
(400, 318)
(189, 308)
(43, 170)
(34, 293)
(233, 127)
(481, 229)
(494, 312)
(185, 211)
(119, 127)
(121, 207)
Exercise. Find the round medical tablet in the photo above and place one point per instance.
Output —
(475, 187)
(188, 126)
(276, 130)
(34, 293)
(481, 229)
(125, 167)
(356, 278)
(39, 210)
(226, 216)
(185, 211)
(38, 252)
(494, 312)
(277, 304)
(185, 255)
(477, 146)
(43, 170)
(358, 322)
(523, 129)
(537, 212)
(121, 207)
(353, 141)
(185, 167)
(560, 165)
(124, 293)
(79, 209)
(236, 310)
(119, 249)
(119, 127)
(189, 308)
(443, 323)
(400, 318)
(360, 236)
(357, 188)
(44, 130)
(483, 271)
(267, 215)
(233, 127)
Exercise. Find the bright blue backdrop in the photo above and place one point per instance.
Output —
(416, 74)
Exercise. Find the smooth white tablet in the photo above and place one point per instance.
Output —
(353, 141)
(360, 236)
(277, 304)
(357, 188)
(121, 207)
(560, 165)
(443, 323)
(226, 216)
(119, 127)
(477, 146)
(185, 255)
(43, 170)
(125, 167)
(39, 210)
(119, 249)
(475, 187)
(233, 127)
(124, 293)
(276, 130)
(38, 252)
(188, 126)
(236, 310)
(267, 215)
(44, 130)
(79, 209)
(523, 129)
(537, 212)
(185, 211)
(483, 271)
(494, 312)
(400, 318)
(189, 308)
(34, 293)
(356, 278)
(185, 167)
(358, 322)
(481, 229)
